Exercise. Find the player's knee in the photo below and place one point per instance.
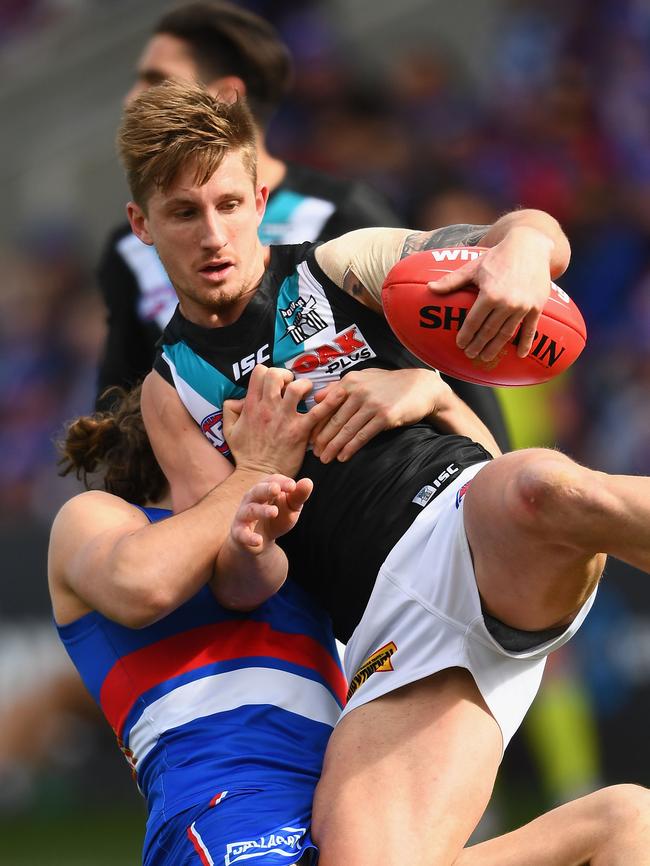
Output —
(547, 488)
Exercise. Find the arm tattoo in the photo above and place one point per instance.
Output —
(353, 286)
(449, 236)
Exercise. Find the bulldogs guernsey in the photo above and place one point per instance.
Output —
(210, 706)
(300, 320)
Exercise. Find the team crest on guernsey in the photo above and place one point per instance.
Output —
(302, 320)
(212, 427)
(378, 662)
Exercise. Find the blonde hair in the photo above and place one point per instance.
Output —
(176, 123)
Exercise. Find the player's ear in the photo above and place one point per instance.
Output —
(228, 89)
(138, 220)
(261, 198)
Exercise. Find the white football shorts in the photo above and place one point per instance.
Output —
(424, 616)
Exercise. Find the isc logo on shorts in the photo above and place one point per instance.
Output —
(286, 841)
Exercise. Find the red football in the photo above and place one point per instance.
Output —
(427, 324)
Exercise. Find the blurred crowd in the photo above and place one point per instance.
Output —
(559, 121)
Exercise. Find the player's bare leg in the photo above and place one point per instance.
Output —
(539, 526)
(607, 828)
(407, 776)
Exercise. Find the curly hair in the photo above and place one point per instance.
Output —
(115, 445)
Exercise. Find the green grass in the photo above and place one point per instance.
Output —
(108, 836)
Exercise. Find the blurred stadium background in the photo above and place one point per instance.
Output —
(457, 112)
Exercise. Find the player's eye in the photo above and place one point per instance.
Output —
(229, 206)
(184, 214)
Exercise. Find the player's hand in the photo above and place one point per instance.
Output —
(269, 509)
(369, 401)
(514, 282)
(265, 431)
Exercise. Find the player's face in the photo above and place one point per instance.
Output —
(206, 237)
(163, 57)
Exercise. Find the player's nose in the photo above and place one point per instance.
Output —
(213, 235)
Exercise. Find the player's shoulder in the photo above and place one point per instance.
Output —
(94, 509)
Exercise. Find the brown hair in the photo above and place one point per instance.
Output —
(177, 122)
(114, 444)
(228, 40)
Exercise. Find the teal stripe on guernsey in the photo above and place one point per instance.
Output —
(201, 376)
(278, 213)
(285, 347)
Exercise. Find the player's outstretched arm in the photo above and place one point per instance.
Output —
(526, 249)
(250, 566)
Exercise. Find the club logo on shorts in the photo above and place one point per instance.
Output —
(461, 493)
(347, 348)
(378, 662)
(285, 842)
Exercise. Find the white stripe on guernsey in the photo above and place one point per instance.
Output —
(157, 297)
(226, 691)
(198, 407)
(307, 220)
(197, 838)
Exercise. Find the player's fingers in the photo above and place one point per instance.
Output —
(342, 426)
(320, 413)
(300, 494)
(265, 491)
(481, 324)
(527, 333)
(361, 437)
(295, 392)
(251, 512)
(276, 379)
(504, 335)
(256, 383)
(454, 279)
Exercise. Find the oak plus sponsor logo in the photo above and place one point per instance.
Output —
(378, 662)
(286, 842)
(344, 350)
(212, 427)
(302, 320)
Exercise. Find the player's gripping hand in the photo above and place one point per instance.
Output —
(269, 509)
(367, 402)
(514, 282)
(265, 431)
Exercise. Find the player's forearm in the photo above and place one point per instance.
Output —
(536, 229)
(161, 566)
(243, 580)
(452, 415)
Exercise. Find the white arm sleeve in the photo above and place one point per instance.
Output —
(371, 253)
(368, 253)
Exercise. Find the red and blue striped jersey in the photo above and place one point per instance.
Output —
(208, 700)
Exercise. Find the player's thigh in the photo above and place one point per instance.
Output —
(408, 774)
(526, 574)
